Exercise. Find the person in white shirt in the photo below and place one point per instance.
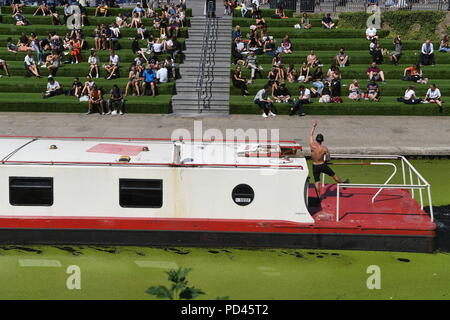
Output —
(304, 97)
(53, 88)
(158, 46)
(93, 62)
(410, 97)
(113, 65)
(427, 54)
(244, 9)
(264, 103)
(162, 74)
(433, 96)
(371, 33)
(30, 65)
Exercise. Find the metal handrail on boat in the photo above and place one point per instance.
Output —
(407, 168)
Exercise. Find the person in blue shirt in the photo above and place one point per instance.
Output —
(149, 76)
(139, 10)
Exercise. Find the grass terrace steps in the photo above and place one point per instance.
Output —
(275, 23)
(66, 70)
(36, 85)
(266, 13)
(358, 71)
(387, 106)
(20, 93)
(392, 88)
(103, 55)
(90, 20)
(356, 57)
(89, 10)
(88, 31)
(326, 44)
(33, 102)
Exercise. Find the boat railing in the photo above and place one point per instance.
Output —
(412, 179)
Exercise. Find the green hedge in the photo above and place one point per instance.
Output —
(409, 24)
(266, 13)
(33, 102)
(387, 106)
(90, 10)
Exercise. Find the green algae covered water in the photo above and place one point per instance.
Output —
(94, 272)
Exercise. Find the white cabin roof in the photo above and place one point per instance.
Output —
(107, 151)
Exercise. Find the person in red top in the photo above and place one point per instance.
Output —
(375, 73)
(415, 74)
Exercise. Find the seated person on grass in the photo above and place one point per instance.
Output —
(427, 54)
(251, 62)
(373, 91)
(304, 22)
(354, 91)
(375, 51)
(239, 81)
(305, 73)
(264, 103)
(410, 97)
(415, 74)
(313, 60)
(149, 82)
(10, 46)
(444, 44)
(4, 66)
(133, 81)
(375, 73)
(327, 22)
(53, 88)
(113, 67)
(102, 10)
(292, 73)
(433, 96)
(116, 98)
(96, 100)
(43, 9)
(286, 45)
(20, 19)
(279, 13)
(396, 54)
(88, 85)
(342, 58)
(304, 97)
(371, 33)
(325, 96)
(93, 62)
(77, 88)
(281, 93)
(162, 73)
(30, 64)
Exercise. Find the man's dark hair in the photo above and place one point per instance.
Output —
(319, 138)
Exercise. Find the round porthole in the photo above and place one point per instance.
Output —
(243, 194)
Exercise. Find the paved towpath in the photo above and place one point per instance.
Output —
(343, 134)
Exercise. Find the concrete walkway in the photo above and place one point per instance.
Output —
(343, 134)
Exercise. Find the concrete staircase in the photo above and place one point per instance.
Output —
(206, 67)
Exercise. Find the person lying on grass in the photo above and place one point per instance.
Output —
(53, 88)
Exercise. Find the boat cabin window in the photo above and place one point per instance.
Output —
(30, 191)
(140, 193)
(243, 194)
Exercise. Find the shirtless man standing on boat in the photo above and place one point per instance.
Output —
(320, 155)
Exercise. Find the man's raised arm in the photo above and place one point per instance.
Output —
(311, 137)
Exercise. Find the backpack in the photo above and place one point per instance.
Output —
(336, 100)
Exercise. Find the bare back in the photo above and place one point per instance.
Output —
(318, 153)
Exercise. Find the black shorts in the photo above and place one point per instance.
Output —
(321, 168)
